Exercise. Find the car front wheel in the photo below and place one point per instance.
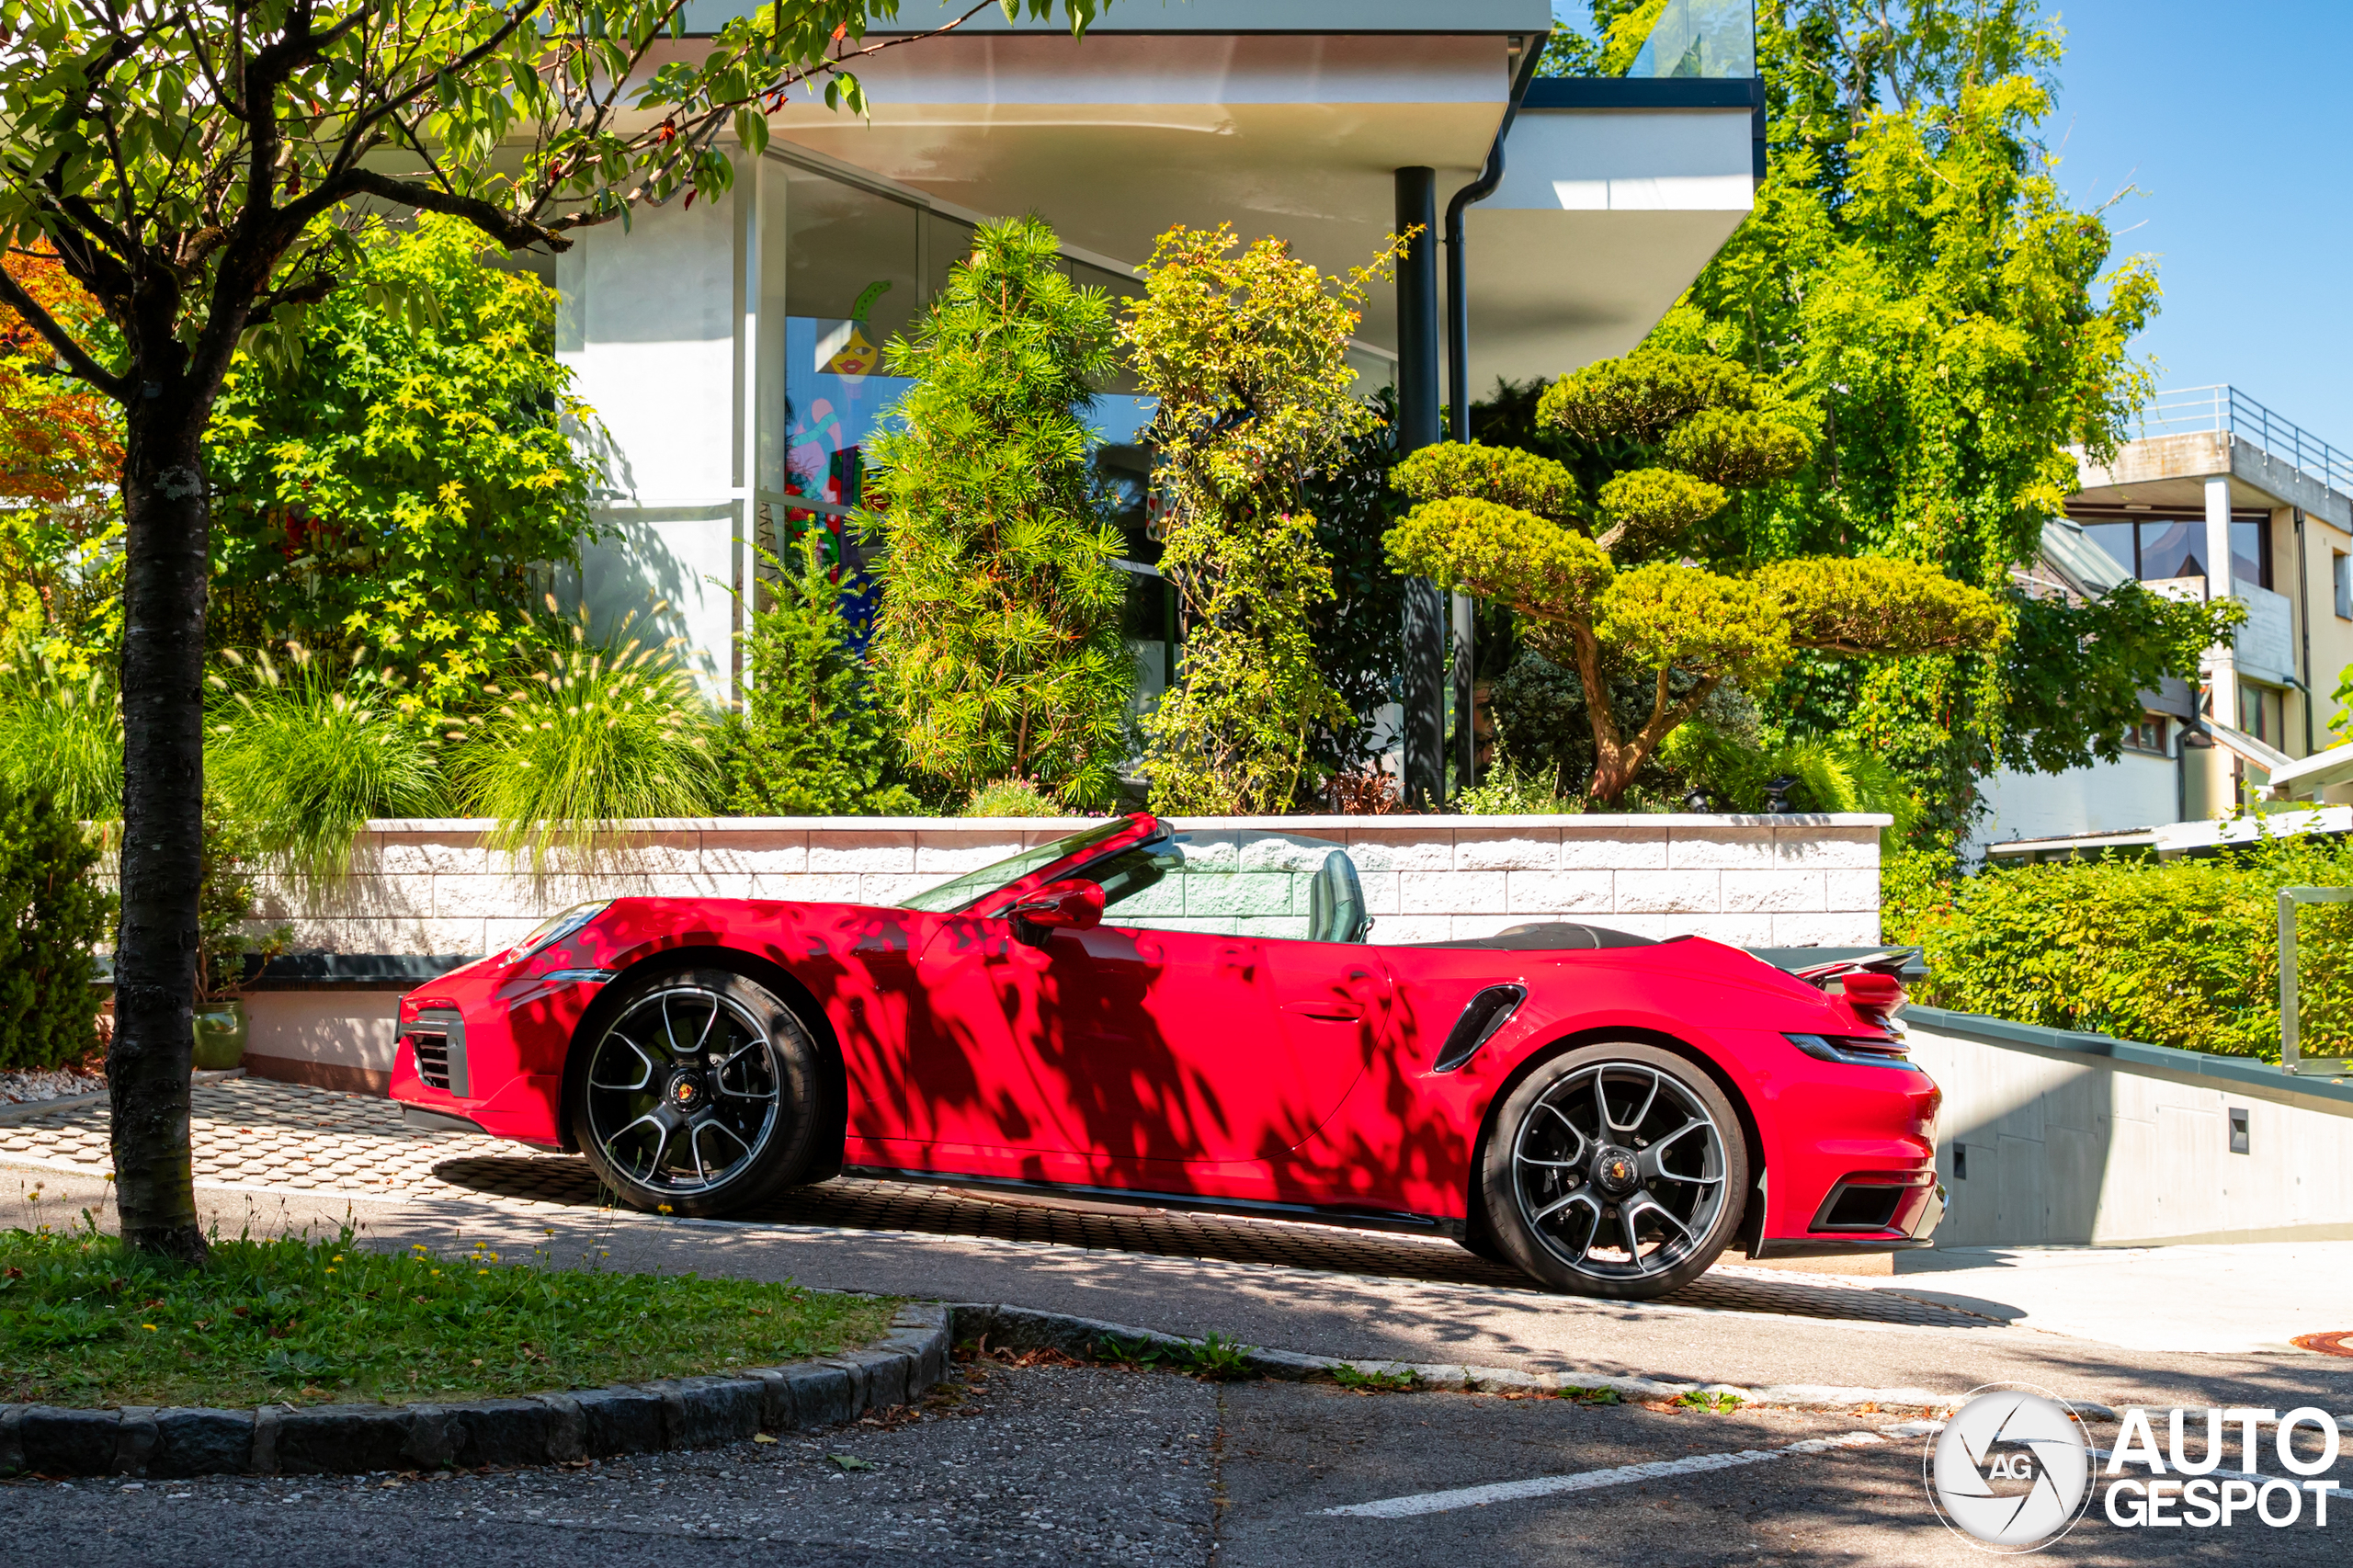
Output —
(1615, 1170)
(696, 1097)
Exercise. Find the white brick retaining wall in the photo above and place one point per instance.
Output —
(434, 888)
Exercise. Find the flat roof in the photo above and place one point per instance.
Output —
(707, 16)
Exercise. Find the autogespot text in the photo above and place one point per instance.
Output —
(2191, 1483)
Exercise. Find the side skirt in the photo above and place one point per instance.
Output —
(1249, 1208)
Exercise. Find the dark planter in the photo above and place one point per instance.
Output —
(221, 1029)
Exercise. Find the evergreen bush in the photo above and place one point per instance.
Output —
(52, 913)
(998, 639)
(812, 739)
(1248, 356)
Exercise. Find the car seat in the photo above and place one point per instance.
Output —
(1336, 901)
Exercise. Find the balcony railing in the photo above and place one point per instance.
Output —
(2196, 409)
(1700, 37)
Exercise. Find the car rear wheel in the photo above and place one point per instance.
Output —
(1615, 1170)
(696, 1098)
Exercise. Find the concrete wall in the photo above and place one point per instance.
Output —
(2063, 1147)
(434, 888)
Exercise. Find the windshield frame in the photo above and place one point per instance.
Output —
(991, 883)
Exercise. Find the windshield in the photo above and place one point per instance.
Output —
(958, 892)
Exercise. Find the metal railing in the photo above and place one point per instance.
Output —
(2195, 410)
(1700, 37)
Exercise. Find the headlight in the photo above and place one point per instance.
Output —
(555, 928)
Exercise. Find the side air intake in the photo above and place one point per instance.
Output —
(1488, 1012)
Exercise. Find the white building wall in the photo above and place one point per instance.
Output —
(2135, 790)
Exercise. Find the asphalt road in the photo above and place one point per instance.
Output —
(1087, 1465)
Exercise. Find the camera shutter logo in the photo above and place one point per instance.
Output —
(2011, 1470)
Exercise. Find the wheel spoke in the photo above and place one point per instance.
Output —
(1650, 1156)
(645, 1079)
(661, 1145)
(712, 1124)
(1648, 1100)
(1583, 1194)
(708, 1024)
(1573, 1127)
(719, 1074)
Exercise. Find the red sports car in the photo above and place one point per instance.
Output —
(1195, 1020)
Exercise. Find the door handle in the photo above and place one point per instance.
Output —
(1331, 1012)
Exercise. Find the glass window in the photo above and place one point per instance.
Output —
(1700, 37)
(2173, 549)
(958, 891)
(2341, 575)
(2251, 551)
(1258, 884)
(2117, 540)
(851, 285)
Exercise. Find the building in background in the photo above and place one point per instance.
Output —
(731, 348)
(2217, 496)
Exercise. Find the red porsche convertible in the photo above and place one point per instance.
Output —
(1195, 1020)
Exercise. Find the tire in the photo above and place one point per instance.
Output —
(1560, 1190)
(708, 1053)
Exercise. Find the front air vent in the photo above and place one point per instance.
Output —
(1488, 1012)
(437, 1035)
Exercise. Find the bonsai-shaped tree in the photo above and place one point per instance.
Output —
(1623, 580)
(1246, 354)
(998, 640)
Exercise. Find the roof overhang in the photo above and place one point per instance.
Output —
(1289, 118)
(2169, 473)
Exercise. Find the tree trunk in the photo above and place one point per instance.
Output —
(166, 527)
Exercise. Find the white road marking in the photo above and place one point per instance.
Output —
(1587, 1481)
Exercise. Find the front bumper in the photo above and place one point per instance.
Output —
(497, 1038)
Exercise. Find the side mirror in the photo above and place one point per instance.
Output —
(1058, 906)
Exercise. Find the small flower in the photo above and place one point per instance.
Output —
(481, 1271)
(149, 1327)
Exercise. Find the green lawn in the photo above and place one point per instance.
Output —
(84, 1323)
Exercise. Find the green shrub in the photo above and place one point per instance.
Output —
(811, 739)
(304, 758)
(999, 632)
(52, 912)
(2181, 953)
(596, 737)
(1012, 798)
(61, 736)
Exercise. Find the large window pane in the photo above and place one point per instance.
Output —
(2116, 538)
(852, 284)
(2173, 549)
(2250, 551)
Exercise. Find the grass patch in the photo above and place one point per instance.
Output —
(1602, 1395)
(84, 1322)
(1362, 1381)
(1703, 1399)
(1212, 1358)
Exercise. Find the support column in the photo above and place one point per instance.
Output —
(2222, 663)
(1426, 629)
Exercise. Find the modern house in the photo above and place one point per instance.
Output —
(731, 348)
(2217, 496)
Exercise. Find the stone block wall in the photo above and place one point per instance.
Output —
(433, 887)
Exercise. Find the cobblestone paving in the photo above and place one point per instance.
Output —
(262, 1133)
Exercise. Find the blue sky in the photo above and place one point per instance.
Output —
(2229, 120)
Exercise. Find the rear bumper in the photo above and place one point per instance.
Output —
(1916, 1224)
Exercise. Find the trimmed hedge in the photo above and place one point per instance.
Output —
(2182, 953)
(52, 912)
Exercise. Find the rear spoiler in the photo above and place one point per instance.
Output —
(1892, 963)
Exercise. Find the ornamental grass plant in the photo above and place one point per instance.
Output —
(596, 735)
(301, 754)
(2182, 952)
(61, 736)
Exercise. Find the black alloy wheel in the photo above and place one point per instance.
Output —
(1616, 1170)
(696, 1098)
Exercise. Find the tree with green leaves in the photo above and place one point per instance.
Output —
(1634, 575)
(1914, 286)
(201, 172)
(998, 638)
(394, 470)
(813, 739)
(1246, 352)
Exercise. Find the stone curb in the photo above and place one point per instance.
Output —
(1021, 1328)
(547, 1429)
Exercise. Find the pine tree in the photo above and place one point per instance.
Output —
(811, 739)
(998, 640)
